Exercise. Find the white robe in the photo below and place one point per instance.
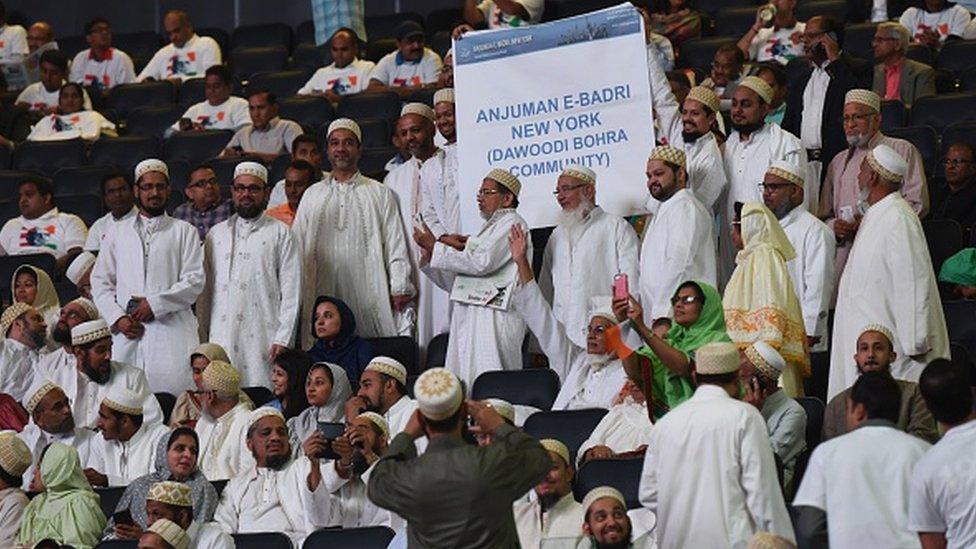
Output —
(577, 267)
(350, 507)
(888, 280)
(432, 304)
(440, 204)
(564, 519)
(84, 441)
(17, 366)
(86, 396)
(678, 246)
(102, 225)
(222, 446)
(354, 248)
(252, 292)
(208, 535)
(812, 270)
(129, 460)
(625, 428)
(582, 384)
(711, 457)
(13, 501)
(167, 270)
(482, 339)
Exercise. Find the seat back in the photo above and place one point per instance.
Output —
(262, 540)
(833, 8)
(305, 33)
(89, 207)
(373, 537)
(219, 36)
(893, 115)
(536, 387)
(378, 48)
(123, 152)
(108, 498)
(308, 57)
(127, 97)
(47, 157)
(857, 39)
(699, 53)
(151, 121)
(437, 351)
(261, 36)
(384, 26)
(401, 348)
(82, 180)
(939, 111)
(118, 544)
(259, 395)
(373, 161)
(944, 238)
(815, 410)
(195, 147)
(249, 61)
(370, 105)
(191, 92)
(376, 132)
(167, 402)
(443, 20)
(282, 83)
(143, 43)
(571, 427)
(961, 322)
(310, 112)
(735, 21)
(956, 56)
(622, 474)
(925, 139)
(10, 181)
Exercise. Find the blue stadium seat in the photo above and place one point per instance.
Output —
(373, 161)
(384, 26)
(263, 540)
(109, 498)
(371, 105)
(128, 97)
(283, 84)
(167, 402)
(259, 395)
(123, 152)
(249, 61)
(437, 352)
(305, 33)
(81, 180)
(960, 320)
(152, 121)
(402, 348)
(622, 474)
(310, 112)
(957, 56)
(571, 427)
(10, 184)
(373, 537)
(47, 157)
(924, 137)
(944, 238)
(376, 49)
(699, 53)
(195, 147)
(309, 57)
(261, 36)
(536, 387)
(89, 207)
(857, 39)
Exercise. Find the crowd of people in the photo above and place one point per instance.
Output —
(781, 226)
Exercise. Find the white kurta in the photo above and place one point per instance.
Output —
(86, 395)
(582, 384)
(222, 444)
(711, 457)
(438, 192)
(678, 246)
(578, 267)
(888, 280)
(82, 440)
(160, 259)
(861, 481)
(942, 488)
(17, 365)
(101, 227)
(252, 293)
(399, 414)
(208, 535)
(564, 519)
(354, 248)
(13, 501)
(350, 507)
(625, 428)
(482, 339)
(812, 270)
(129, 460)
(432, 304)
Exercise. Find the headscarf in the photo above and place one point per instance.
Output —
(134, 497)
(345, 349)
(333, 411)
(68, 511)
(46, 301)
(960, 268)
(760, 302)
(668, 388)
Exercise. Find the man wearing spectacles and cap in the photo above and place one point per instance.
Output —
(412, 66)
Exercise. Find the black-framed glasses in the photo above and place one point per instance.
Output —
(955, 162)
(856, 117)
(251, 189)
(687, 300)
(202, 183)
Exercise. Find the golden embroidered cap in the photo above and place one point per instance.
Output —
(251, 168)
(388, 366)
(171, 493)
(717, 358)
(786, 170)
(171, 533)
(12, 313)
(38, 390)
(86, 305)
(601, 492)
(888, 164)
(444, 95)
(438, 393)
(705, 96)
(90, 331)
(420, 109)
(210, 351)
(377, 420)
(767, 540)
(865, 97)
(80, 265)
(345, 124)
(766, 359)
(669, 154)
(124, 400)
(556, 447)
(758, 85)
(582, 173)
(15, 456)
(151, 165)
(263, 412)
(881, 329)
(505, 179)
(504, 408)
(222, 377)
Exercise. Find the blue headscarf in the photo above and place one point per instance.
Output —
(346, 349)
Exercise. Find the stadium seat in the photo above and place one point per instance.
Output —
(536, 387)
(309, 57)
(249, 61)
(440, 43)
(699, 53)
(925, 139)
(569, 8)
(71, 45)
(967, 80)
(191, 92)
(443, 20)
(118, 544)
(66, 291)
(373, 537)
(141, 44)
(571, 427)
(10, 184)
(152, 121)
(47, 157)
(437, 352)
(815, 410)
(307, 111)
(622, 474)
(376, 49)
(10, 263)
(219, 486)
(195, 146)
(920, 53)
(282, 83)
(944, 238)
(384, 26)
(123, 152)
(957, 56)
(15, 124)
(305, 33)
(816, 384)
(263, 540)
(127, 97)
(81, 180)
(259, 395)
(540, 237)
(179, 172)
(109, 498)
(376, 132)
(712, 7)
(857, 40)
(89, 207)
(425, 96)
(167, 402)
(954, 133)
(276, 171)
(961, 322)
(224, 169)
(373, 161)
(261, 36)
(958, 355)
(735, 21)
(411, 381)
(220, 36)
(893, 115)
(401, 348)
(370, 105)
(833, 8)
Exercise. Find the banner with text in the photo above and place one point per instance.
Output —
(532, 100)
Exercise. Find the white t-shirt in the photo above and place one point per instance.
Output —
(772, 44)
(87, 125)
(39, 99)
(393, 71)
(353, 78)
(497, 19)
(54, 233)
(229, 115)
(943, 485)
(116, 68)
(948, 21)
(13, 42)
(198, 54)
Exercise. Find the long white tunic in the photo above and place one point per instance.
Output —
(678, 246)
(482, 339)
(861, 481)
(438, 191)
(82, 440)
(129, 460)
(86, 395)
(432, 303)
(625, 428)
(582, 384)
(711, 457)
(252, 292)
(812, 270)
(222, 445)
(160, 259)
(13, 501)
(17, 366)
(942, 488)
(888, 280)
(577, 267)
(208, 535)
(354, 248)
(564, 519)
(102, 225)
(350, 507)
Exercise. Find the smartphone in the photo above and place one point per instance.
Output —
(132, 305)
(621, 289)
(123, 517)
(330, 431)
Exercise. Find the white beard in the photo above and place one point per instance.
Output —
(597, 361)
(859, 140)
(572, 221)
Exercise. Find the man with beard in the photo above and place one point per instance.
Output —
(92, 373)
(126, 441)
(553, 513)
(147, 277)
(276, 493)
(72, 314)
(411, 67)
(887, 280)
(415, 128)
(383, 388)
(841, 205)
(606, 524)
(52, 420)
(25, 335)
(249, 305)
(222, 424)
(119, 198)
(586, 249)
(812, 270)
(874, 353)
(678, 244)
(438, 177)
(352, 241)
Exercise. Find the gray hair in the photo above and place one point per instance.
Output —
(892, 29)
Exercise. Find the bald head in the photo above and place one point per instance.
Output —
(38, 34)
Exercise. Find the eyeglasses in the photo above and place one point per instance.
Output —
(251, 189)
(202, 183)
(567, 189)
(955, 162)
(488, 192)
(856, 117)
(773, 187)
(687, 300)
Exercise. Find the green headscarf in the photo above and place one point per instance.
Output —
(68, 511)
(668, 388)
(960, 268)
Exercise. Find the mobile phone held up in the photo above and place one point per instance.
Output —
(621, 287)
(330, 431)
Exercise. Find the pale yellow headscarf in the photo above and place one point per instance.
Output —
(760, 302)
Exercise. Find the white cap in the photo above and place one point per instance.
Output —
(122, 399)
(582, 173)
(601, 492)
(171, 533)
(438, 393)
(766, 359)
(717, 358)
(865, 97)
(80, 265)
(503, 407)
(888, 164)
(377, 420)
(420, 109)
(388, 366)
(151, 165)
(345, 124)
(263, 412)
(601, 307)
(787, 170)
(556, 447)
(37, 391)
(90, 331)
(251, 168)
(87, 305)
(881, 329)
(444, 95)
